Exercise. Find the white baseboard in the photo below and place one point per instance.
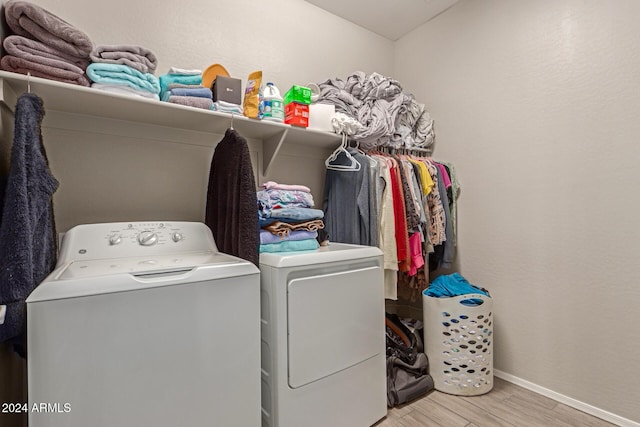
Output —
(581, 406)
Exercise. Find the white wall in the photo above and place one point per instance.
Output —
(120, 176)
(292, 41)
(537, 103)
(115, 175)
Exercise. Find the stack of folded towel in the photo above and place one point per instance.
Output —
(287, 219)
(227, 107)
(126, 69)
(184, 87)
(44, 45)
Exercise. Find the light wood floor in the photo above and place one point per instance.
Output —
(505, 405)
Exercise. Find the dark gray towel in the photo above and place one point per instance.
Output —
(32, 21)
(232, 204)
(36, 51)
(137, 57)
(28, 245)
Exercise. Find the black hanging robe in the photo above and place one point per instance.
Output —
(231, 199)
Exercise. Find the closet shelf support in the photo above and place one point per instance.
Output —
(8, 96)
(270, 148)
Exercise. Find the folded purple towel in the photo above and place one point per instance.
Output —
(62, 71)
(32, 21)
(191, 101)
(36, 51)
(180, 85)
(267, 237)
(136, 57)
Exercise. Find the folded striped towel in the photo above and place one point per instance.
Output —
(122, 74)
(167, 79)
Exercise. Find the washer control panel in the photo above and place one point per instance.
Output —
(123, 239)
(146, 234)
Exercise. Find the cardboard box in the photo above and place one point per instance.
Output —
(227, 89)
(299, 94)
(320, 116)
(296, 114)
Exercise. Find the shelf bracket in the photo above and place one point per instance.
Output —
(270, 148)
(8, 96)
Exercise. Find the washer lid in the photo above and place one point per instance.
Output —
(333, 253)
(96, 277)
(142, 265)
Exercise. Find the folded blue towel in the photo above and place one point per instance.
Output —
(167, 79)
(299, 214)
(178, 91)
(105, 73)
(289, 215)
(200, 92)
(291, 246)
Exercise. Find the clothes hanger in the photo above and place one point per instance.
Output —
(28, 82)
(353, 165)
(335, 153)
(231, 125)
(371, 159)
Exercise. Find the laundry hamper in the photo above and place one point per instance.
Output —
(459, 343)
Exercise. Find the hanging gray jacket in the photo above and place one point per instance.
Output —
(346, 202)
(28, 245)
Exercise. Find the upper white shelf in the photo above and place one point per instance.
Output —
(69, 98)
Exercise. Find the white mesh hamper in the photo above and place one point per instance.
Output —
(459, 342)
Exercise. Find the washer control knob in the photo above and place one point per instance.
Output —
(115, 239)
(147, 238)
(176, 237)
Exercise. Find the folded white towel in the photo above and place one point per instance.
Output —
(226, 107)
(126, 90)
(184, 72)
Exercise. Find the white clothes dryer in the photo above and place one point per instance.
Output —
(144, 324)
(323, 337)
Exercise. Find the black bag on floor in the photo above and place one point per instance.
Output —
(407, 369)
(406, 382)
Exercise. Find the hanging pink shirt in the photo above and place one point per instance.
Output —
(415, 248)
(444, 174)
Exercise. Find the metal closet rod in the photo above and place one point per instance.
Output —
(403, 150)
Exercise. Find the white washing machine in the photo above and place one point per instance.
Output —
(144, 324)
(323, 337)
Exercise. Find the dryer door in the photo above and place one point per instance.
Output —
(335, 321)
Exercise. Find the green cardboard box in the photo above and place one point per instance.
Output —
(299, 94)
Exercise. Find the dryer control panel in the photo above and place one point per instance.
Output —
(130, 239)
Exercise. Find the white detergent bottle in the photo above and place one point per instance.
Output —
(273, 105)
